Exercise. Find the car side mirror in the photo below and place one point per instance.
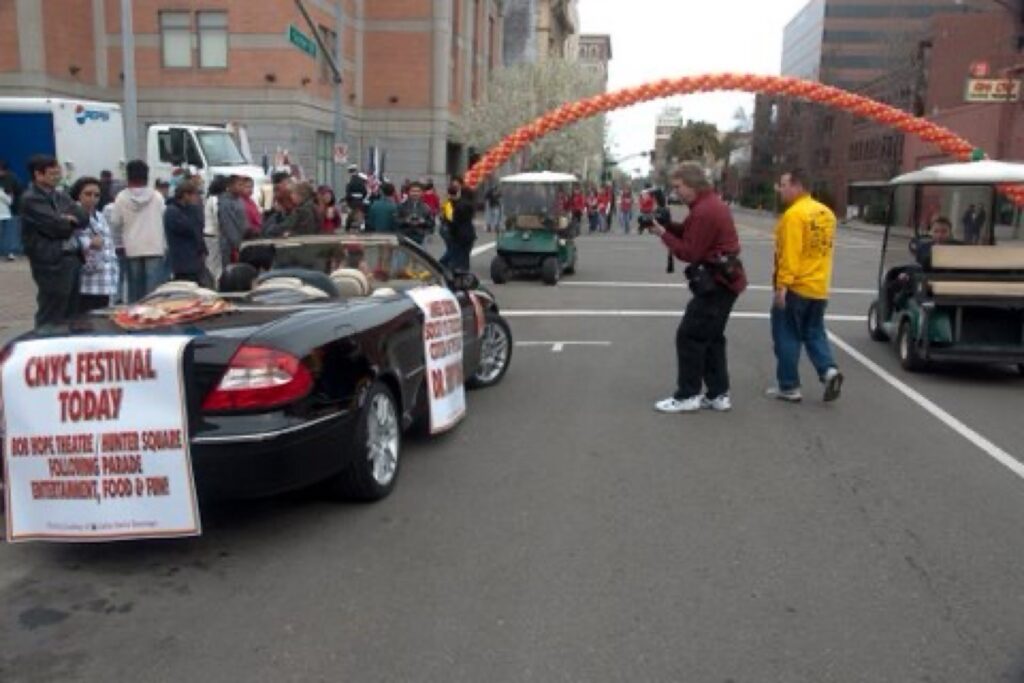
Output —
(465, 281)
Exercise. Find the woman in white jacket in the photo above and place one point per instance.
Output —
(211, 232)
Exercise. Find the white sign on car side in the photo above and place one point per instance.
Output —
(96, 441)
(442, 349)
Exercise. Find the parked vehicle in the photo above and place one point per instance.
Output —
(85, 136)
(207, 151)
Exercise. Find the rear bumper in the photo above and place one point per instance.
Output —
(267, 463)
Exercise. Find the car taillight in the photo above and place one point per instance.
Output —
(258, 378)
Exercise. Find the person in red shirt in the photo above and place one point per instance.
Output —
(708, 242)
(626, 209)
(647, 206)
(605, 202)
(577, 205)
(327, 209)
(253, 215)
(430, 198)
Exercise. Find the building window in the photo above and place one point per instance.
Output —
(492, 42)
(477, 48)
(453, 89)
(176, 39)
(213, 39)
(325, 158)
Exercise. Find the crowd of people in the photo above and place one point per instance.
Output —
(100, 242)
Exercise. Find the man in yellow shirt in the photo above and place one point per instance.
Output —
(804, 245)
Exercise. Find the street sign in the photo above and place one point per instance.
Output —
(992, 90)
(979, 69)
(301, 40)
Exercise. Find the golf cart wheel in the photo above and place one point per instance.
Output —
(550, 270)
(875, 330)
(499, 270)
(1020, 368)
(906, 348)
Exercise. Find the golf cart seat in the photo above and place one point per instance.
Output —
(1001, 262)
(975, 257)
(978, 289)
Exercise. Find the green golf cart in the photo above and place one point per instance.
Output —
(957, 298)
(539, 237)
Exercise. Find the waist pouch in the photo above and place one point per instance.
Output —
(701, 279)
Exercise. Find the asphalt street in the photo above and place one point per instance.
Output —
(567, 532)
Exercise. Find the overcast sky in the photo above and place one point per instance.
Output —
(654, 39)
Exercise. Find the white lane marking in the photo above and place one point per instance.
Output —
(989, 448)
(483, 248)
(613, 313)
(559, 346)
(679, 285)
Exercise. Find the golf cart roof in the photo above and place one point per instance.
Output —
(540, 177)
(967, 173)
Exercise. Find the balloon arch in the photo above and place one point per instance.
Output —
(567, 114)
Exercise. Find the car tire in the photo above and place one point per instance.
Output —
(499, 270)
(495, 353)
(875, 330)
(1020, 369)
(550, 270)
(377, 444)
(906, 348)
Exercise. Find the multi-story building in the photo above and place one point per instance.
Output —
(859, 45)
(595, 51)
(540, 29)
(668, 121)
(410, 68)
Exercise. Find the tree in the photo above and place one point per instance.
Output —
(695, 141)
(521, 93)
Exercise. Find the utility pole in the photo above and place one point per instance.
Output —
(333, 59)
(339, 117)
(130, 111)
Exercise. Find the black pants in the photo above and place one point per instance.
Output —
(700, 345)
(57, 285)
(459, 255)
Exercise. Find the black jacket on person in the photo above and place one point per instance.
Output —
(356, 190)
(183, 227)
(44, 229)
(462, 230)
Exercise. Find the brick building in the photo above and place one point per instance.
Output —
(410, 68)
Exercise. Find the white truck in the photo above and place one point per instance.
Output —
(85, 136)
(208, 151)
(88, 137)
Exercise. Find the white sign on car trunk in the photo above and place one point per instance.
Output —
(96, 441)
(442, 349)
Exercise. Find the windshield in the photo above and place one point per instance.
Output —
(220, 148)
(385, 265)
(528, 198)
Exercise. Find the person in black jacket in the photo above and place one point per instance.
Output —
(183, 228)
(462, 231)
(50, 220)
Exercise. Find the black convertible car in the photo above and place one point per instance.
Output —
(317, 365)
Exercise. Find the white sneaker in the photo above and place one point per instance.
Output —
(674, 405)
(790, 395)
(720, 404)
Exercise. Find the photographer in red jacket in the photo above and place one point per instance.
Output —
(708, 242)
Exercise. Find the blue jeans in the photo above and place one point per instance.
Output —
(626, 217)
(10, 236)
(801, 324)
(145, 273)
